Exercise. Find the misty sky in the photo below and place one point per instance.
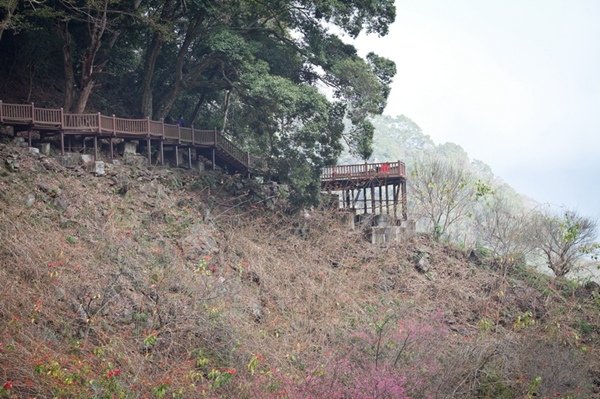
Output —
(516, 83)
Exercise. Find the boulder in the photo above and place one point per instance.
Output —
(87, 159)
(34, 150)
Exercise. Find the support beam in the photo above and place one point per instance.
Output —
(365, 198)
(373, 208)
(380, 200)
(162, 152)
(190, 157)
(404, 201)
(176, 156)
(29, 133)
(387, 198)
(149, 149)
(112, 149)
(95, 148)
(62, 142)
(214, 155)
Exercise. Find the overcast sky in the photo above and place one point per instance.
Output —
(516, 83)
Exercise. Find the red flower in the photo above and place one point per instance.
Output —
(8, 385)
(230, 371)
(113, 373)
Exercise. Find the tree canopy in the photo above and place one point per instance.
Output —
(270, 73)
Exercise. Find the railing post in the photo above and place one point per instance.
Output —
(32, 113)
(215, 137)
(114, 125)
(178, 133)
(193, 138)
(99, 122)
(1, 114)
(62, 118)
(162, 123)
(148, 126)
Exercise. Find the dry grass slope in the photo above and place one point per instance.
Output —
(167, 283)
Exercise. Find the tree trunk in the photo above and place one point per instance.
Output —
(226, 109)
(10, 8)
(146, 106)
(63, 30)
(169, 100)
(149, 68)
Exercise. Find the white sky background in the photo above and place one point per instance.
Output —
(516, 83)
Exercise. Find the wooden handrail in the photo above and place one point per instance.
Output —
(364, 170)
(29, 114)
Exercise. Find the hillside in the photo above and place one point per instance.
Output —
(169, 283)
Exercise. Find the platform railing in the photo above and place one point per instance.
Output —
(55, 118)
(364, 170)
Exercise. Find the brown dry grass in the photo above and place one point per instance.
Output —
(173, 279)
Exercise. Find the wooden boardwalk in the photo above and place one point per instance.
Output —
(28, 117)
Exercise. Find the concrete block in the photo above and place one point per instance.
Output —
(130, 147)
(99, 168)
(70, 159)
(86, 159)
(34, 151)
(45, 148)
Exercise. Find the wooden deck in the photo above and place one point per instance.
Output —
(358, 175)
(32, 118)
(375, 188)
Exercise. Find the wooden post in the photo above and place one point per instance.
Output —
(395, 192)
(214, 158)
(112, 151)
(215, 137)
(114, 125)
(178, 134)
(148, 126)
(162, 152)
(148, 144)
(193, 138)
(32, 114)
(404, 202)
(387, 198)
(29, 133)
(176, 156)
(62, 117)
(373, 206)
(380, 200)
(99, 122)
(62, 142)
(365, 198)
(190, 157)
(84, 145)
(95, 148)
(1, 113)
(162, 123)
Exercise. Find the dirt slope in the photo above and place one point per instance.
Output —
(152, 282)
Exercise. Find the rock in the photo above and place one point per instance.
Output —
(135, 160)
(587, 290)
(12, 162)
(30, 200)
(257, 312)
(45, 148)
(19, 142)
(34, 151)
(86, 159)
(99, 168)
(61, 203)
(423, 264)
(116, 162)
(69, 160)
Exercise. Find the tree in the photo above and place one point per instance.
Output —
(563, 240)
(443, 192)
(504, 228)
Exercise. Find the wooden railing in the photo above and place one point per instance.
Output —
(47, 118)
(365, 170)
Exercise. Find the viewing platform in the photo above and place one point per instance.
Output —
(371, 188)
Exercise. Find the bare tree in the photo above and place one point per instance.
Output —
(443, 192)
(563, 240)
(505, 229)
